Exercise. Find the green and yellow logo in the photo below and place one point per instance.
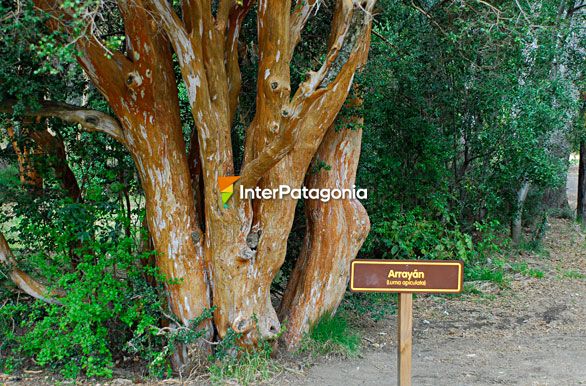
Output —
(226, 185)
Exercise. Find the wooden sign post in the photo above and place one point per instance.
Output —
(406, 277)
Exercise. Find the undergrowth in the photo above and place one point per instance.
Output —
(231, 364)
(331, 335)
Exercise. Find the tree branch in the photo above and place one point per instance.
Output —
(90, 120)
(273, 111)
(322, 104)
(22, 279)
(299, 17)
(237, 15)
(312, 110)
(343, 19)
(269, 156)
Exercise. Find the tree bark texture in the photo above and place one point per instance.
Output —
(20, 278)
(335, 232)
(219, 256)
(581, 204)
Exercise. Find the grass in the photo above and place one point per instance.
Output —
(485, 273)
(331, 335)
(524, 270)
(232, 364)
(571, 274)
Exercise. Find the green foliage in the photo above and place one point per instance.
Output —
(104, 294)
(524, 269)
(318, 165)
(331, 335)
(246, 368)
(460, 106)
(494, 274)
(8, 178)
(411, 236)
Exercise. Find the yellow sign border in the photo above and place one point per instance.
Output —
(460, 265)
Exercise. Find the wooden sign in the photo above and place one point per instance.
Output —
(406, 277)
(438, 276)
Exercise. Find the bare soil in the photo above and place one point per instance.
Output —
(532, 332)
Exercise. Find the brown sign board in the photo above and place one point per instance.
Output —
(429, 276)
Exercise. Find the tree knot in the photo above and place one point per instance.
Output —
(92, 120)
(242, 324)
(133, 80)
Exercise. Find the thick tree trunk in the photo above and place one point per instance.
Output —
(226, 256)
(335, 232)
(517, 221)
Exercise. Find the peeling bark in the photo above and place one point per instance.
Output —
(335, 232)
(227, 256)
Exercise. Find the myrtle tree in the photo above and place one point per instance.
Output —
(216, 255)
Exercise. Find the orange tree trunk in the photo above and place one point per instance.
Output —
(335, 232)
(228, 256)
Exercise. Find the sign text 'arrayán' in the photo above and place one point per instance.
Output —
(406, 276)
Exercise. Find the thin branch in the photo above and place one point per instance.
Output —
(254, 170)
(575, 9)
(299, 18)
(344, 17)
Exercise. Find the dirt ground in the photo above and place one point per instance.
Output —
(531, 333)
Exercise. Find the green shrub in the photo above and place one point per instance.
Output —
(107, 310)
(105, 303)
(412, 236)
